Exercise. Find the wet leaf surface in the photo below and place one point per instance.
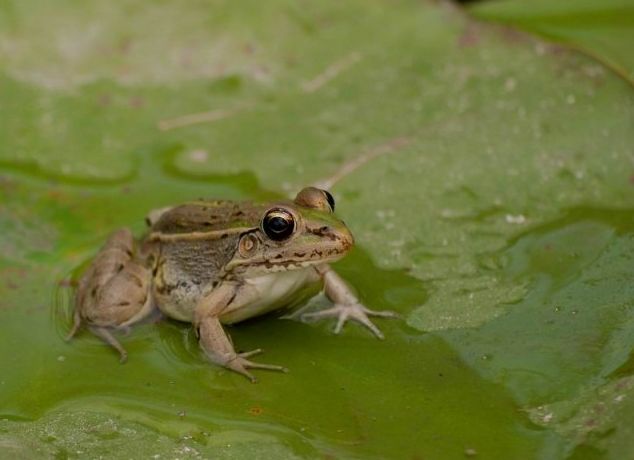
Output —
(603, 29)
(487, 178)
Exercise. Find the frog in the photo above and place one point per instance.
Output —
(215, 263)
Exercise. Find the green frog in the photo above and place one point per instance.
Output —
(212, 263)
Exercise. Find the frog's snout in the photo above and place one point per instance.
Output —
(346, 238)
(340, 236)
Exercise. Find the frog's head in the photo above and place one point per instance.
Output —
(293, 235)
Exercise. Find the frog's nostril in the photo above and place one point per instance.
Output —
(325, 229)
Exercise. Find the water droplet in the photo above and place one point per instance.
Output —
(511, 219)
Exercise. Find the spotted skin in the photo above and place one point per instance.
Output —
(219, 262)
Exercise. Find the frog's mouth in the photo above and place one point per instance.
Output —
(321, 257)
(296, 262)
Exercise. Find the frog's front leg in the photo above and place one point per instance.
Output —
(346, 304)
(114, 292)
(215, 341)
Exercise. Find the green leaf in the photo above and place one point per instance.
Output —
(78, 434)
(603, 29)
(487, 179)
(597, 420)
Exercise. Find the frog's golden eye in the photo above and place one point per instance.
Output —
(278, 224)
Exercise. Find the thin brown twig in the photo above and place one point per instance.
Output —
(198, 118)
(331, 72)
(361, 159)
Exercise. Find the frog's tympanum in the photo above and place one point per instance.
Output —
(220, 262)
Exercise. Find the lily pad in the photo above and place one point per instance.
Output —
(487, 178)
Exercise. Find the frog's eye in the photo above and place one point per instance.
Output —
(331, 200)
(278, 224)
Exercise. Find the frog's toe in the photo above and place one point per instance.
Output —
(240, 365)
(381, 313)
(248, 354)
(355, 312)
(268, 367)
(107, 336)
(237, 365)
(361, 317)
(76, 326)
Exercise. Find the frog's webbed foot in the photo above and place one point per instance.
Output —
(239, 363)
(353, 311)
(218, 347)
(215, 341)
(346, 305)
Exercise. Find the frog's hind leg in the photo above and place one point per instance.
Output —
(105, 335)
(114, 293)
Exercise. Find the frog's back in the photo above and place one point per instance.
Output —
(214, 218)
(196, 241)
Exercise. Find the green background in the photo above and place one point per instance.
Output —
(487, 175)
